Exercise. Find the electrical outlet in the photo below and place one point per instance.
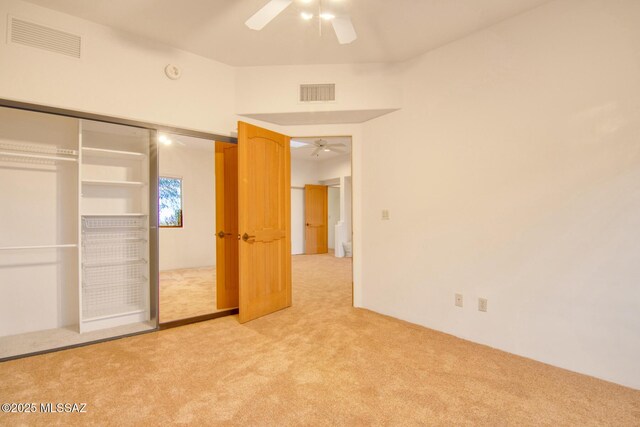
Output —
(482, 304)
(385, 214)
(458, 300)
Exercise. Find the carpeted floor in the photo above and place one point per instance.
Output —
(187, 293)
(320, 362)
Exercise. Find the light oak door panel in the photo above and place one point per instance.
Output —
(264, 221)
(227, 268)
(316, 208)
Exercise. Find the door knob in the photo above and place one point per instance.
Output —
(222, 234)
(246, 237)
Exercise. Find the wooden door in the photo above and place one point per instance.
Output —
(227, 272)
(264, 221)
(316, 207)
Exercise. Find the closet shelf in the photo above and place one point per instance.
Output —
(107, 228)
(114, 154)
(110, 316)
(37, 149)
(126, 214)
(37, 156)
(114, 222)
(113, 285)
(13, 248)
(133, 261)
(113, 183)
(114, 241)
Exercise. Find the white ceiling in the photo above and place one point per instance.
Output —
(304, 153)
(388, 30)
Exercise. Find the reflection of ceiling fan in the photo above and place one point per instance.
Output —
(342, 24)
(322, 145)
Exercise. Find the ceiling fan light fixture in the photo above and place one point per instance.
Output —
(342, 25)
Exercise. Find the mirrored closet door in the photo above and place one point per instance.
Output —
(75, 259)
(198, 236)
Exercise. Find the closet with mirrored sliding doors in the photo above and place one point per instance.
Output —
(76, 231)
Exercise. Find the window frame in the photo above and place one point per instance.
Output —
(181, 218)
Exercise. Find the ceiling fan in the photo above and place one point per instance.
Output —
(342, 24)
(323, 145)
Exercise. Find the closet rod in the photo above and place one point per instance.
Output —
(13, 248)
(37, 156)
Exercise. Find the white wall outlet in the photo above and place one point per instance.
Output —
(385, 214)
(482, 304)
(458, 300)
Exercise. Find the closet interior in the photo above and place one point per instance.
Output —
(75, 231)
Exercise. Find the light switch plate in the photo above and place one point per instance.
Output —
(458, 300)
(482, 304)
(385, 214)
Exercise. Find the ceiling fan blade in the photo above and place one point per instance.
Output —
(343, 27)
(337, 144)
(268, 12)
(316, 151)
(337, 151)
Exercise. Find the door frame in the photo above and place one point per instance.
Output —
(354, 246)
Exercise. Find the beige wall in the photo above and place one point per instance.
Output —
(117, 76)
(335, 168)
(193, 245)
(274, 89)
(513, 173)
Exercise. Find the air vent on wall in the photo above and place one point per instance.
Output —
(318, 93)
(42, 37)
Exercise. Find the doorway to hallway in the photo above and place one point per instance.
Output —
(321, 201)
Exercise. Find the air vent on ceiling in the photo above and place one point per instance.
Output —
(42, 37)
(318, 93)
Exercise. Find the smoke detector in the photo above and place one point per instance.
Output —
(173, 71)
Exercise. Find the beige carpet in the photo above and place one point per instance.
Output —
(187, 293)
(320, 362)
